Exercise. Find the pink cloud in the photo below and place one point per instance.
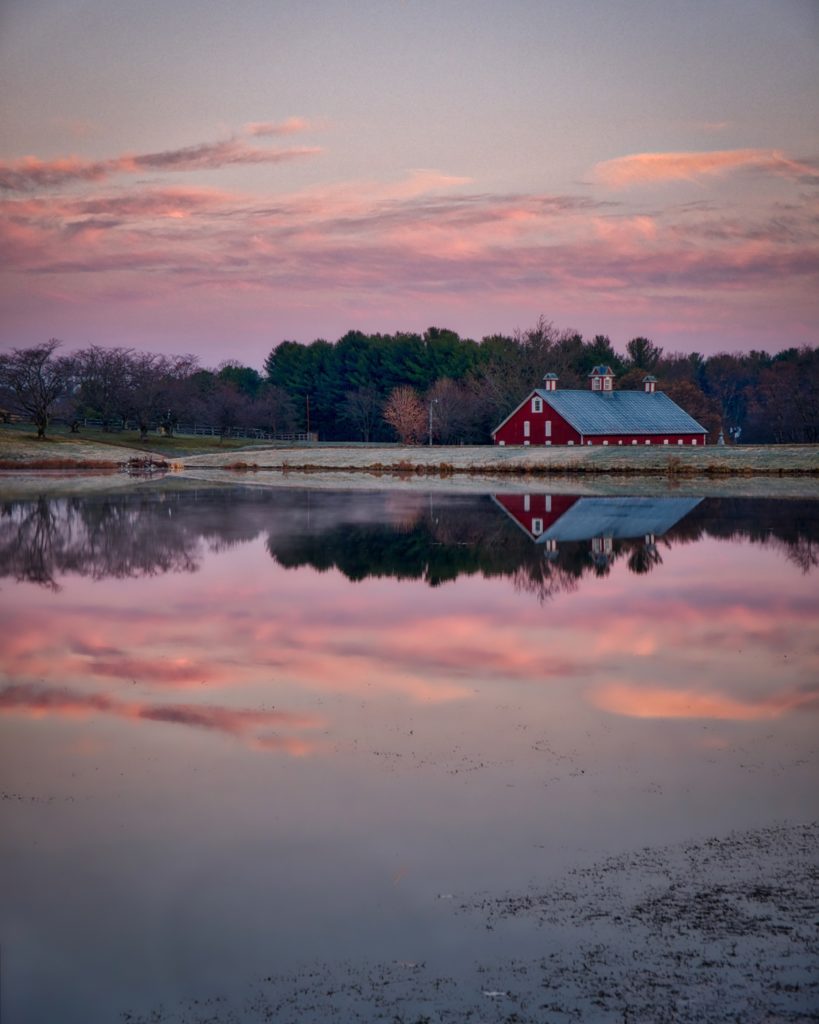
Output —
(660, 702)
(360, 251)
(649, 168)
(168, 202)
(290, 126)
(38, 701)
(31, 173)
(179, 670)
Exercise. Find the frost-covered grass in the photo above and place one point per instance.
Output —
(20, 447)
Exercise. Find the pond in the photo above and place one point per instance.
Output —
(312, 755)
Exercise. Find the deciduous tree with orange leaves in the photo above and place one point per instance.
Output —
(405, 413)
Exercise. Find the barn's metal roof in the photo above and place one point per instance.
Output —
(621, 412)
(618, 517)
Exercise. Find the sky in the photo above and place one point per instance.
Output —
(212, 178)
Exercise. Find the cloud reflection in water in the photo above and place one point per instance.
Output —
(251, 619)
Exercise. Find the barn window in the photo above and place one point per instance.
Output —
(607, 383)
(679, 442)
(526, 428)
(620, 441)
(548, 503)
(605, 442)
(634, 442)
(694, 441)
(570, 442)
(526, 502)
(537, 405)
(595, 383)
(648, 442)
(665, 440)
(548, 428)
(501, 443)
(537, 527)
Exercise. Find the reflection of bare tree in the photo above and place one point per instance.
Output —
(27, 543)
(644, 558)
(545, 581)
(803, 552)
(43, 539)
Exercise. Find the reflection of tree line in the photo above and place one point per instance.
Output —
(788, 526)
(415, 537)
(467, 536)
(456, 541)
(114, 538)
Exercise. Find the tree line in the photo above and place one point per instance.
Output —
(405, 386)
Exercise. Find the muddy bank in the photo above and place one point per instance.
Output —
(723, 929)
(29, 484)
(483, 483)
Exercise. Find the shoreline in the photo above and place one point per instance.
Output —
(770, 461)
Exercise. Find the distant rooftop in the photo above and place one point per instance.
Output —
(621, 412)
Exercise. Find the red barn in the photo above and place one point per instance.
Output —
(600, 415)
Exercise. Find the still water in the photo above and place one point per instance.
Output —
(251, 737)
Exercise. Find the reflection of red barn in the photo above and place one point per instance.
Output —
(550, 519)
(535, 513)
(600, 416)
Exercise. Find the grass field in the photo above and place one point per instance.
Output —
(89, 450)
(61, 440)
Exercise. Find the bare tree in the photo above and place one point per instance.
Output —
(361, 409)
(272, 410)
(102, 379)
(455, 416)
(226, 407)
(34, 379)
(153, 385)
(405, 414)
